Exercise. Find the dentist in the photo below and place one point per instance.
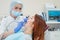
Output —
(15, 11)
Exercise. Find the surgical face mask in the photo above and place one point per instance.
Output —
(15, 13)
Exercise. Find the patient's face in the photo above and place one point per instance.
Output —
(29, 24)
(31, 19)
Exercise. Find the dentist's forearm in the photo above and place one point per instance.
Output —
(10, 32)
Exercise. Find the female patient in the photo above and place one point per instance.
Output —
(34, 30)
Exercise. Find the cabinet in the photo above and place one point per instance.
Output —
(53, 34)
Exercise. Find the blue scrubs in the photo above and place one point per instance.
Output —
(20, 25)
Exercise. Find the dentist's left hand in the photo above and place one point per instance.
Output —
(5, 34)
(8, 33)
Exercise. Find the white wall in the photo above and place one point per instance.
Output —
(30, 6)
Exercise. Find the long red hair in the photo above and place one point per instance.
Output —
(39, 28)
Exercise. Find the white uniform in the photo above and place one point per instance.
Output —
(8, 23)
(4, 23)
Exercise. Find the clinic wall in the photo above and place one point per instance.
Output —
(30, 6)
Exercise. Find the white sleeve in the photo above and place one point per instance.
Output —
(2, 25)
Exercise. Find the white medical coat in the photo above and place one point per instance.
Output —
(9, 23)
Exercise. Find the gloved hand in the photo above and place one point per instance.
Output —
(20, 25)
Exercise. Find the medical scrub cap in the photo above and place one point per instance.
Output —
(13, 3)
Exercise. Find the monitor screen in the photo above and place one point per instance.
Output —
(54, 12)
